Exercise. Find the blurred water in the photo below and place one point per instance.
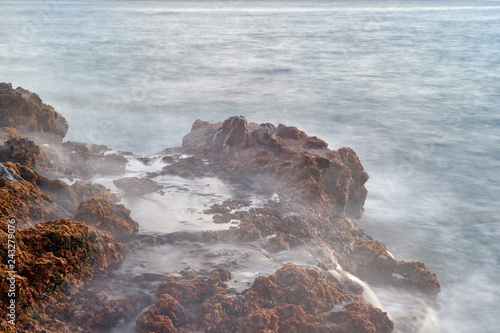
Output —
(412, 86)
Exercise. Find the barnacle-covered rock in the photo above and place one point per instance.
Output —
(107, 216)
(52, 257)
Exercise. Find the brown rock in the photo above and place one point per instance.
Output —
(164, 316)
(110, 313)
(265, 134)
(26, 112)
(291, 300)
(22, 151)
(67, 197)
(198, 139)
(107, 216)
(134, 186)
(233, 134)
(360, 317)
(52, 257)
(23, 200)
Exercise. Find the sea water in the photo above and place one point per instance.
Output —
(411, 86)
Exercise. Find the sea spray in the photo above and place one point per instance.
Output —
(368, 294)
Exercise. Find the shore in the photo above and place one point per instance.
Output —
(272, 208)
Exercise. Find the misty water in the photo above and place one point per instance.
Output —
(412, 86)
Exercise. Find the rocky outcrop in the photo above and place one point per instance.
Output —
(232, 135)
(31, 134)
(265, 134)
(66, 197)
(134, 186)
(195, 140)
(9, 175)
(25, 111)
(313, 195)
(52, 258)
(297, 161)
(290, 300)
(23, 151)
(320, 192)
(24, 201)
(109, 217)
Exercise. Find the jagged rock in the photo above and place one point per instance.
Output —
(32, 133)
(67, 197)
(290, 300)
(345, 178)
(188, 167)
(107, 216)
(265, 134)
(24, 201)
(164, 316)
(195, 140)
(93, 159)
(26, 112)
(360, 317)
(357, 190)
(232, 135)
(24, 151)
(9, 175)
(291, 132)
(134, 186)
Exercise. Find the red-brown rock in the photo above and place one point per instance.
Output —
(291, 300)
(26, 112)
(164, 316)
(52, 257)
(107, 216)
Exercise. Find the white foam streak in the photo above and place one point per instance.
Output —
(368, 293)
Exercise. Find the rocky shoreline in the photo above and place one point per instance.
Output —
(74, 238)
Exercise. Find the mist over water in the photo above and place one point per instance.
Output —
(412, 87)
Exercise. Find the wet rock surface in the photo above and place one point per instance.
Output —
(26, 112)
(290, 300)
(318, 193)
(134, 186)
(309, 198)
(31, 133)
(109, 217)
(52, 258)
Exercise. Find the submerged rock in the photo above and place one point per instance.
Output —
(134, 186)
